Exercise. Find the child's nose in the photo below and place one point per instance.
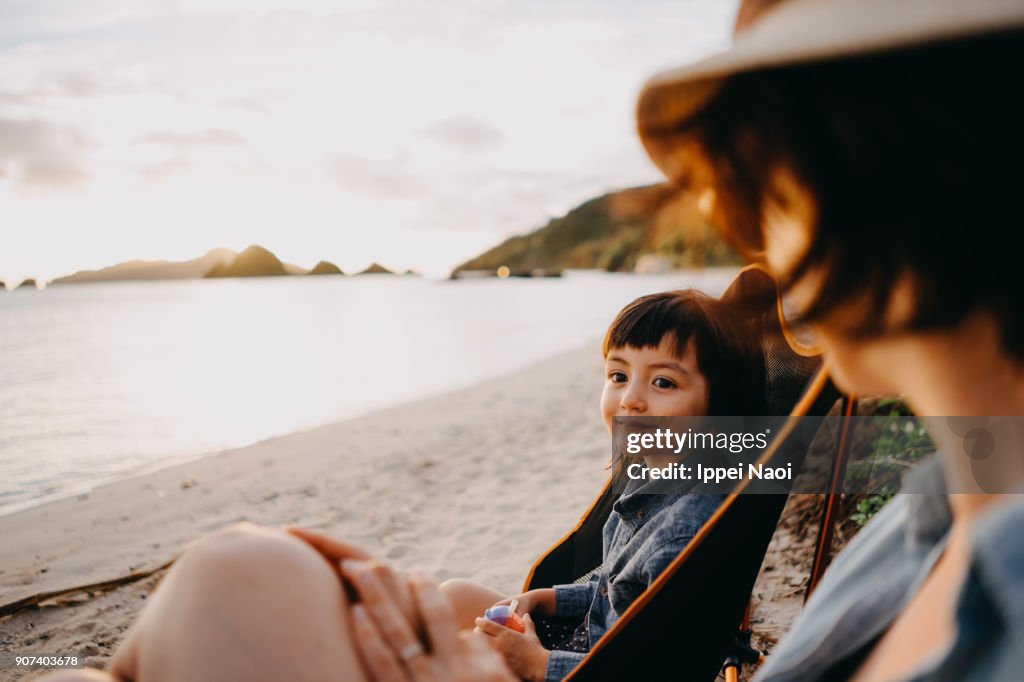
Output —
(633, 400)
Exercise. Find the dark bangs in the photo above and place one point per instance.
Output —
(646, 322)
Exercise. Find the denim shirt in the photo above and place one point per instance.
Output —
(873, 579)
(641, 537)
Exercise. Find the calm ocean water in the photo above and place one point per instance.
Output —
(101, 381)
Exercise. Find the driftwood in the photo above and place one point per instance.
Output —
(103, 586)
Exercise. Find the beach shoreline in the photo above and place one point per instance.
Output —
(169, 486)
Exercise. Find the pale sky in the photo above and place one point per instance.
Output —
(416, 134)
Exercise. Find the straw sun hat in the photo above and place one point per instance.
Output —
(802, 31)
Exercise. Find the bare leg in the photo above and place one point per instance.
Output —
(246, 603)
(85, 675)
(470, 600)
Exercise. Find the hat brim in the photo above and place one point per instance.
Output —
(806, 31)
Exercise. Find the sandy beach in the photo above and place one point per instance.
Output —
(475, 483)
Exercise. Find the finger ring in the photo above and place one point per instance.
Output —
(411, 651)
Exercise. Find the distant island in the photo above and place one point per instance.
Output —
(254, 261)
(653, 228)
(375, 269)
(650, 228)
(143, 270)
(326, 268)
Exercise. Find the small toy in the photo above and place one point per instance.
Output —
(507, 616)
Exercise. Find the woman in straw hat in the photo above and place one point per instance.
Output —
(871, 153)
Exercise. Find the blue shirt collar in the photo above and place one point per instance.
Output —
(997, 539)
(930, 516)
(998, 547)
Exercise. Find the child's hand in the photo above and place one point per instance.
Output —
(535, 601)
(522, 651)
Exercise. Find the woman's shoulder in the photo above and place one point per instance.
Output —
(867, 581)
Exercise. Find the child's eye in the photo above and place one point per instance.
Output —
(618, 377)
(662, 382)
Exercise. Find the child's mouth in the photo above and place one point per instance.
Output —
(636, 425)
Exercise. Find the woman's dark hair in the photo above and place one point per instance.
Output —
(728, 356)
(914, 160)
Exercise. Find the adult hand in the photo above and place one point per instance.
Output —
(540, 601)
(392, 653)
(522, 651)
(339, 554)
(333, 550)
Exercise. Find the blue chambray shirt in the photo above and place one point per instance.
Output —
(642, 535)
(871, 581)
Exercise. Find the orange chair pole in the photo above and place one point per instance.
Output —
(823, 550)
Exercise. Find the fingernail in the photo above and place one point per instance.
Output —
(359, 613)
(349, 565)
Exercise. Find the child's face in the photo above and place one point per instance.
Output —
(653, 382)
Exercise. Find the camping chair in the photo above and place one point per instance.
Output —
(684, 626)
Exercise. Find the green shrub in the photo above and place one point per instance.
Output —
(902, 442)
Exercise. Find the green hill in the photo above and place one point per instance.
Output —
(611, 233)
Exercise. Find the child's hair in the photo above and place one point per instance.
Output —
(728, 355)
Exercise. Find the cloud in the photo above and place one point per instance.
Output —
(506, 202)
(164, 170)
(376, 177)
(247, 104)
(466, 133)
(68, 84)
(40, 153)
(211, 137)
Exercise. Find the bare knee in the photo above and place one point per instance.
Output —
(460, 589)
(249, 548)
(469, 599)
(253, 566)
(245, 537)
(259, 592)
(456, 587)
(77, 676)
